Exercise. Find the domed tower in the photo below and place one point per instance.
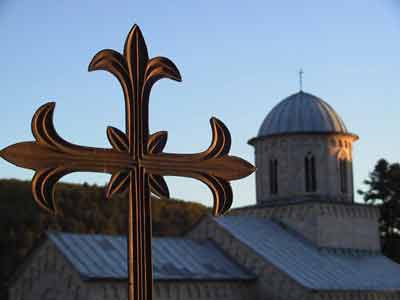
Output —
(303, 151)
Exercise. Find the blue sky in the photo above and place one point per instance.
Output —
(238, 59)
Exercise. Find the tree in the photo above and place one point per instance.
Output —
(384, 191)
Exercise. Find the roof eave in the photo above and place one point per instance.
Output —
(254, 140)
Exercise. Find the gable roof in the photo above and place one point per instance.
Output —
(313, 267)
(105, 257)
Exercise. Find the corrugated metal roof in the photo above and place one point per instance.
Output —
(302, 112)
(312, 267)
(104, 256)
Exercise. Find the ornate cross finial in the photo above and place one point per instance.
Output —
(301, 79)
(136, 160)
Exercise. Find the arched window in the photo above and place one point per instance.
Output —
(273, 176)
(310, 173)
(343, 175)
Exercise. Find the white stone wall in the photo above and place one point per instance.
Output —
(48, 276)
(238, 290)
(334, 225)
(290, 151)
(173, 290)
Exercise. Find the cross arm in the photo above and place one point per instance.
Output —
(52, 158)
(227, 167)
(214, 167)
(214, 172)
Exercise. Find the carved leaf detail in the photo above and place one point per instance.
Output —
(157, 141)
(119, 182)
(43, 184)
(39, 121)
(156, 144)
(221, 191)
(159, 68)
(45, 134)
(221, 140)
(136, 56)
(113, 62)
(158, 186)
(165, 66)
(220, 143)
(117, 139)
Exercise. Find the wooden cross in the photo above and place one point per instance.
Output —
(136, 160)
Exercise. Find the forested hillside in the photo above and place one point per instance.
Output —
(83, 209)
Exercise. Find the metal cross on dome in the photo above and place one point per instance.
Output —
(136, 160)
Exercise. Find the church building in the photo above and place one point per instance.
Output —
(305, 238)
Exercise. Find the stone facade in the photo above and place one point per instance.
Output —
(271, 282)
(290, 151)
(49, 276)
(332, 225)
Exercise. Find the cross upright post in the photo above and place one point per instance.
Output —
(136, 160)
(301, 79)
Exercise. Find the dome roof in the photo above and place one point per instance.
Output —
(302, 112)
